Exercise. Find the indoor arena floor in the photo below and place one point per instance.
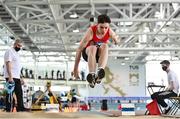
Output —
(77, 115)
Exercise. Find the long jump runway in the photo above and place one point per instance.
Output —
(76, 115)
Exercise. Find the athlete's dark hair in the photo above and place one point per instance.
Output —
(103, 18)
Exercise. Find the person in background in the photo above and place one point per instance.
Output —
(171, 90)
(12, 72)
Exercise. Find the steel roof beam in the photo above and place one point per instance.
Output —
(158, 49)
(86, 20)
(153, 49)
(87, 2)
(112, 1)
(119, 33)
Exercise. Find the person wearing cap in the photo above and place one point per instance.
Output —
(12, 71)
(170, 91)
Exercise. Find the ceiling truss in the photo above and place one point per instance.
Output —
(46, 26)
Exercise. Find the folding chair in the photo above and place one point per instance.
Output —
(175, 105)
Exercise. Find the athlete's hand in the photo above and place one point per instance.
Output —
(10, 80)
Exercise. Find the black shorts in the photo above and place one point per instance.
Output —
(85, 57)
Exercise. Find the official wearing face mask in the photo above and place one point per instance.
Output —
(12, 71)
(164, 68)
(17, 48)
(172, 87)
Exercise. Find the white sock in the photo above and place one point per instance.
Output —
(92, 72)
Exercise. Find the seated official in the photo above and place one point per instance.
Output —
(170, 91)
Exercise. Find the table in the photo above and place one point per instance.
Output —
(151, 90)
(152, 87)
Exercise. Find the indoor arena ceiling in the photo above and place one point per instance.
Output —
(53, 28)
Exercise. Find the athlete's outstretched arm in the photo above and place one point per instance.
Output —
(84, 41)
(114, 37)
